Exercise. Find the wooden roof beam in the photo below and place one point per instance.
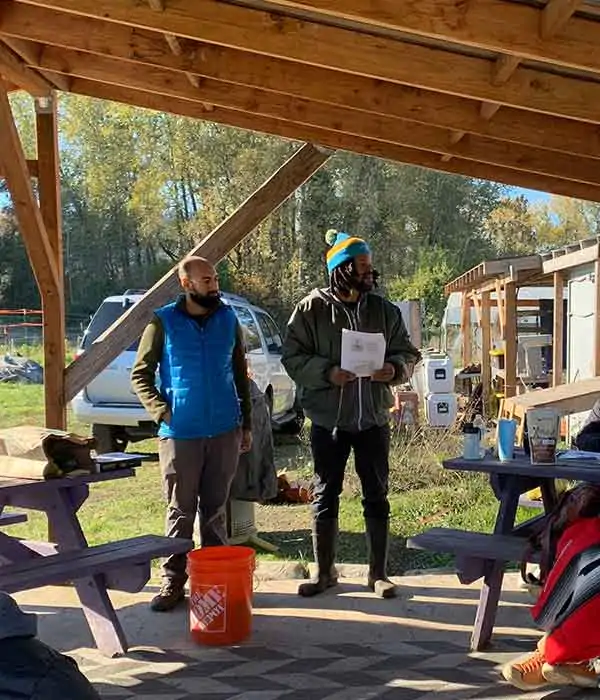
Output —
(336, 139)
(354, 52)
(350, 121)
(281, 76)
(172, 41)
(265, 200)
(585, 255)
(553, 18)
(30, 52)
(14, 69)
(496, 25)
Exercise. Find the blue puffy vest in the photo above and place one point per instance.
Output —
(196, 373)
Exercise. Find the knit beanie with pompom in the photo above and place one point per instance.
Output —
(343, 248)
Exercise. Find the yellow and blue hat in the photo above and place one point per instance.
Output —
(343, 248)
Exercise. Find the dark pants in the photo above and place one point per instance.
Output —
(371, 457)
(197, 477)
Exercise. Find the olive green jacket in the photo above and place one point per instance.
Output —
(313, 346)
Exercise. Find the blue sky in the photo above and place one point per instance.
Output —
(533, 196)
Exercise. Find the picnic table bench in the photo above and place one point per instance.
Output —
(485, 555)
(123, 565)
(12, 518)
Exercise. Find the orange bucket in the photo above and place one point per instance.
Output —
(221, 581)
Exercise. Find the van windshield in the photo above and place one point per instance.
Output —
(106, 315)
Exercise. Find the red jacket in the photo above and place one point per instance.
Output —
(568, 608)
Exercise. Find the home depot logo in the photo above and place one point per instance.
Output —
(208, 607)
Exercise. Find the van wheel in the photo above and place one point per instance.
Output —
(109, 438)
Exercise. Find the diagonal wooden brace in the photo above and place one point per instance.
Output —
(215, 246)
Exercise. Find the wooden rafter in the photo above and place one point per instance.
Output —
(347, 50)
(265, 103)
(333, 139)
(14, 69)
(280, 76)
(31, 224)
(30, 53)
(553, 18)
(502, 27)
(274, 191)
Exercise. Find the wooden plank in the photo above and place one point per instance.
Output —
(486, 346)
(53, 304)
(30, 52)
(523, 262)
(311, 82)
(566, 398)
(558, 329)
(555, 15)
(573, 259)
(597, 318)
(268, 197)
(15, 70)
(264, 103)
(337, 140)
(490, 24)
(572, 470)
(31, 224)
(345, 50)
(475, 544)
(510, 339)
(12, 518)
(86, 562)
(501, 304)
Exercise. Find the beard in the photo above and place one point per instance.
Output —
(365, 283)
(208, 301)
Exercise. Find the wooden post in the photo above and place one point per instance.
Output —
(510, 339)
(486, 346)
(465, 330)
(268, 197)
(53, 305)
(559, 328)
(501, 304)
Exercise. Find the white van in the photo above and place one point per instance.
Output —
(110, 405)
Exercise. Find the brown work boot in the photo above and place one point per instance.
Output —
(580, 675)
(169, 597)
(526, 672)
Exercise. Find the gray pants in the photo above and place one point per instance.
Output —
(197, 476)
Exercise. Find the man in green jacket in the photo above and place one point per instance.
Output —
(347, 413)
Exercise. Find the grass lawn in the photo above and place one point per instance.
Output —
(423, 495)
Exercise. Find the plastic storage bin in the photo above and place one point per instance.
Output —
(436, 375)
(441, 410)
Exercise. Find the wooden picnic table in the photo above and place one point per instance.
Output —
(124, 565)
(486, 555)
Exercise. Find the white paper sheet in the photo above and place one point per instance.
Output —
(362, 353)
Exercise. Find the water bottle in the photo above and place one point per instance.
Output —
(479, 423)
(471, 449)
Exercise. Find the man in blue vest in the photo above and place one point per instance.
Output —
(203, 408)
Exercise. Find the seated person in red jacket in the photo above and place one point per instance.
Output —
(569, 601)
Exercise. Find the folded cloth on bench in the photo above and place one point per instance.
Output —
(31, 452)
